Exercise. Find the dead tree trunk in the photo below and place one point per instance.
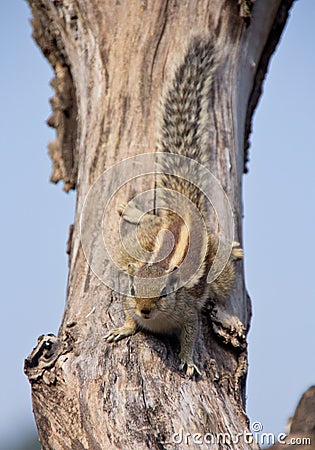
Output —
(111, 61)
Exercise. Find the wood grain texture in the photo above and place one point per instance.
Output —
(116, 57)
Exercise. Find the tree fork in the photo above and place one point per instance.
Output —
(111, 61)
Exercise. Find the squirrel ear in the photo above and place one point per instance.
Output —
(131, 269)
(171, 269)
(163, 292)
(173, 278)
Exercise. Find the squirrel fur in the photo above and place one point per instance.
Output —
(183, 131)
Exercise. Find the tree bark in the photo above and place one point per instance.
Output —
(300, 429)
(112, 60)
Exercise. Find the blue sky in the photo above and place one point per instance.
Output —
(279, 197)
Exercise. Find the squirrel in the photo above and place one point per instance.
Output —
(163, 304)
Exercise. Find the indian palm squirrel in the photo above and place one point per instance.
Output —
(158, 300)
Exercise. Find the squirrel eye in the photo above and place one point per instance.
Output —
(132, 290)
(163, 292)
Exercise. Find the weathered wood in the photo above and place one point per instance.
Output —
(112, 60)
(300, 429)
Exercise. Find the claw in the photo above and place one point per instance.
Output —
(237, 251)
(117, 333)
(121, 208)
(191, 368)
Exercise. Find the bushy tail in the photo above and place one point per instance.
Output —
(184, 118)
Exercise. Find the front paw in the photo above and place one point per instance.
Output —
(191, 368)
(130, 213)
(237, 251)
(122, 208)
(116, 334)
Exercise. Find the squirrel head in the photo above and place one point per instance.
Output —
(152, 289)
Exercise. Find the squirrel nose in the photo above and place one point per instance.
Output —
(145, 312)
